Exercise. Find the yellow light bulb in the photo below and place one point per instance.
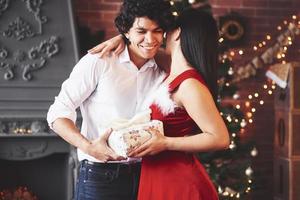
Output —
(268, 37)
(261, 102)
(249, 114)
(175, 13)
(247, 103)
(270, 92)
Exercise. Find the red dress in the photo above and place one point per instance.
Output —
(174, 175)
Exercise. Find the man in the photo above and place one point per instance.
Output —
(107, 89)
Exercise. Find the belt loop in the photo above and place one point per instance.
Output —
(118, 170)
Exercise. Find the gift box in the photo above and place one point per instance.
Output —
(124, 140)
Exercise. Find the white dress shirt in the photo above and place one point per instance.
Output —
(105, 90)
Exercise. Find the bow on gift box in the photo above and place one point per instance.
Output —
(139, 118)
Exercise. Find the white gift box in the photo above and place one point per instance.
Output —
(123, 141)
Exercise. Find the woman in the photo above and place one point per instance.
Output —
(169, 168)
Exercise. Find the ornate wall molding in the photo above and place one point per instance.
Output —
(3, 5)
(18, 29)
(33, 6)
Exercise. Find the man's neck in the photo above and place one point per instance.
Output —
(136, 59)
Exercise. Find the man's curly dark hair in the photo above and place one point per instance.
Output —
(156, 10)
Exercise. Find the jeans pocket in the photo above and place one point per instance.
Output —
(101, 175)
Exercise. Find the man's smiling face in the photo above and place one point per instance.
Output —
(145, 38)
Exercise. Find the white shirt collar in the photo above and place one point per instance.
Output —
(124, 57)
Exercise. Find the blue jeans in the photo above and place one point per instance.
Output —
(107, 181)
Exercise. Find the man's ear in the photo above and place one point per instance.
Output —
(177, 34)
(126, 35)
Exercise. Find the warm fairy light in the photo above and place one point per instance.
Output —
(283, 62)
(285, 48)
(294, 17)
(249, 181)
(253, 110)
(241, 52)
(233, 134)
(279, 28)
(256, 94)
(232, 145)
(247, 103)
(261, 102)
(238, 106)
(232, 53)
(290, 42)
(278, 56)
(175, 13)
(283, 55)
(237, 195)
(250, 96)
(236, 120)
(273, 87)
(270, 92)
(250, 121)
(230, 71)
(268, 37)
(221, 40)
(228, 118)
(289, 38)
(243, 124)
(171, 3)
(285, 22)
(225, 193)
(264, 43)
(221, 113)
(265, 86)
(224, 56)
(255, 48)
(236, 96)
(260, 45)
(249, 114)
(227, 84)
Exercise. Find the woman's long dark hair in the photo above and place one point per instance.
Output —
(199, 44)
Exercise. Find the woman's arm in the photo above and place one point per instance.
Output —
(114, 45)
(197, 100)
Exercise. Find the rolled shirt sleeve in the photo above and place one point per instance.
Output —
(78, 87)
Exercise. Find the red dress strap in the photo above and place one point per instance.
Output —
(190, 73)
